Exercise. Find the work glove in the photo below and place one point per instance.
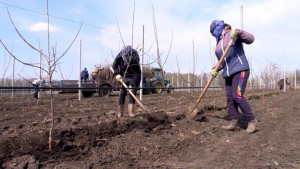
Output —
(118, 77)
(214, 72)
(234, 33)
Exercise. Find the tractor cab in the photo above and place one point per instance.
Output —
(157, 74)
(156, 82)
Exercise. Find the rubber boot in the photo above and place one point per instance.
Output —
(120, 111)
(131, 110)
(251, 126)
(232, 125)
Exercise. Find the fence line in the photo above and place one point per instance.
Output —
(30, 90)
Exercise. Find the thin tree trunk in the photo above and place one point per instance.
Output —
(52, 120)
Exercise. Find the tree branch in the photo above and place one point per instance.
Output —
(21, 35)
(28, 64)
(69, 45)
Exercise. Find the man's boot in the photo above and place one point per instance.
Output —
(120, 110)
(251, 126)
(131, 110)
(232, 125)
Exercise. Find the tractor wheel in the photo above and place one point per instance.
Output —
(87, 94)
(158, 87)
(171, 89)
(104, 91)
(146, 91)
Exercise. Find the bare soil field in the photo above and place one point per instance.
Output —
(87, 136)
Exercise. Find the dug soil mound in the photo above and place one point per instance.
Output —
(86, 133)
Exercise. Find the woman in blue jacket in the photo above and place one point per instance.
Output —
(236, 71)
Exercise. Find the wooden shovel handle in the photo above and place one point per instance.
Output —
(130, 92)
(135, 98)
(192, 113)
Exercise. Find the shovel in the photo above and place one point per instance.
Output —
(193, 112)
(130, 92)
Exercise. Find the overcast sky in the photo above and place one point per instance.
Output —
(274, 23)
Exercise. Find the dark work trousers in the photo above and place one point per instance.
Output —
(131, 83)
(281, 87)
(36, 91)
(235, 86)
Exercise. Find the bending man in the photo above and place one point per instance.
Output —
(126, 66)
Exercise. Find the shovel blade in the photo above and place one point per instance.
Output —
(192, 112)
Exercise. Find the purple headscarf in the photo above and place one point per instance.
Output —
(216, 28)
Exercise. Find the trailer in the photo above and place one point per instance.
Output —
(89, 87)
(104, 83)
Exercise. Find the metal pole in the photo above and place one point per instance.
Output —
(284, 81)
(296, 79)
(177, 82)
(257, 82)
(197, 82)
(242, 24)
(201, 82)
(142, 62)
(4, 90)
(189, 80)
(260, 81)
(79, 80)
(39, 93)
(274, 84)
(13, 79)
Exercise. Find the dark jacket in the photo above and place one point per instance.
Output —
(235, 60)
(127, 57)
(84, 74)
(281, 82)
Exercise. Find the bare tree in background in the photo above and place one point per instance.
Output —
(270, 74)
(194, 77)
(52, 62)
(5, 66)
(220, 80)
(158, 54)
